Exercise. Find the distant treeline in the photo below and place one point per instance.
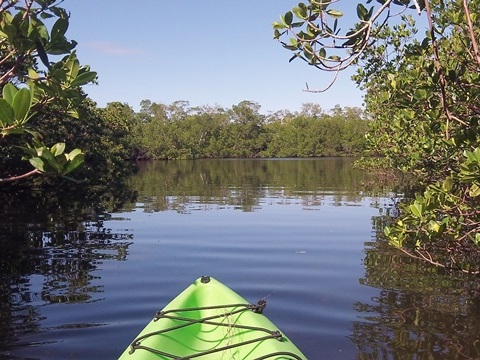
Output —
(116, 133)
(178, 131)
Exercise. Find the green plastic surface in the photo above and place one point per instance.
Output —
(191, 337)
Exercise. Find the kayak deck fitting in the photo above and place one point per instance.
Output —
(210, 321)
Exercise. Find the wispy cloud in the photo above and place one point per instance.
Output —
(112, 48)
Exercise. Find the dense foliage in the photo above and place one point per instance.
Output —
(31, 84)
(423, 95)
(178, 131)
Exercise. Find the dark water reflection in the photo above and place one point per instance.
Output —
(83, 269)
(244, 184)
(420, 312)
(51, 242)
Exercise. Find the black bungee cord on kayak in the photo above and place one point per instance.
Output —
(238, 308)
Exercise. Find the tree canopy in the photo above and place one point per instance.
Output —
(423, 95)
(178, 131)
(32, 33)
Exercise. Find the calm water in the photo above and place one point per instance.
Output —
(81, 274)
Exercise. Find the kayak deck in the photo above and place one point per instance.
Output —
(210, 321)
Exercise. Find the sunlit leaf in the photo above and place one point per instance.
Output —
(477, 239)
(300, 11)
(37, 163)
(58, 149)
(22, 103)
(335, 13)
(8, 92)
(447, 184)
(84, 78)
(434, 226)
(74, 153)
(76, 159)
(73, 113)
(474, 190)
(278, 25)
(416, 209)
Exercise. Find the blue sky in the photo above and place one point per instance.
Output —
(211, 52)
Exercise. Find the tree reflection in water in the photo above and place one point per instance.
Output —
(420, 312)
(50, 244)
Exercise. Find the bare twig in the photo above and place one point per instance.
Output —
(472, 33)
(19, 177)
(326, 88)
(440, 72)
(28, 6)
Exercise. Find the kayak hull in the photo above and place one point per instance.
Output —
(210, 321)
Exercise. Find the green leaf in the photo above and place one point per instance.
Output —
(84, 78)
(49, 160)
(362, 12)
(58, 149)
(476, 154)
(297, 24)
(73, 113)
(74, 153)
(447, 184)
(59, 29)
(39, 30)
(387, 231)
(335, 13)
(434, 226)
(37, 163)
(335, 58)
(288, 18)
(474, 190)
(278, 25)
(420, 94)
(416, 209)
(32, 74)
(29, 151)
(7, 116)
(9, 91)
(76, 159)
(22, 103)
(73, 66)
(351, 41)
(300, 11)
(477, 239)
(45, 15)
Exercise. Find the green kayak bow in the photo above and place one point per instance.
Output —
(210, 321)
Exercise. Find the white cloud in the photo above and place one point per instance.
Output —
(112, 48)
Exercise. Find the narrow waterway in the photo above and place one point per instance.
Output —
(81, 274)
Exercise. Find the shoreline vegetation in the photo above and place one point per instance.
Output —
(421, 117)
(112, 135)
(423, 94)
(178, 131)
